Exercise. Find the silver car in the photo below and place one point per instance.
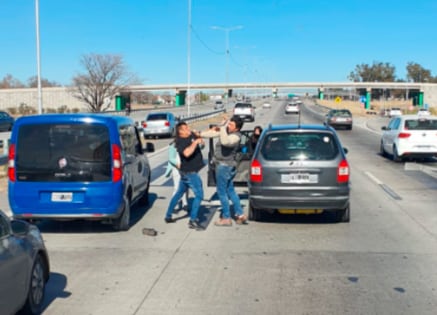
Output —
(299, 169)
(24, 267)
(159, 124)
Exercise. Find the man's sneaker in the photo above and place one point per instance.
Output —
(195, 225)
(170, 220)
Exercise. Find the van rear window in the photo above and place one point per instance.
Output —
(63, 153)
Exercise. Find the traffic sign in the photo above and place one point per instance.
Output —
(338, 99)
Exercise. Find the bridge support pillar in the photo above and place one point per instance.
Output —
(275, 92)
(420, 100)
(180, 97)
(321, 90)
(368, 97)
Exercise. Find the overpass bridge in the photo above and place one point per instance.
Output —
(182, 89)
(54, 97)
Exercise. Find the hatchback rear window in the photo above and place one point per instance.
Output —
(157, 117)
(63, 153)
(299, 146)
(421, 124)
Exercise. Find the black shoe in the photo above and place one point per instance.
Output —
(195, 225)
(170, 220)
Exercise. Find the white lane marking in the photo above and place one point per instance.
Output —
(372, 177)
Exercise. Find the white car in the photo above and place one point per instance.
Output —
(394, 111)
(411, 136)
(267, 105)
(292, 108)
(423, 112)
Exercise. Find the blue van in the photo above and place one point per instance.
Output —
(77, 166)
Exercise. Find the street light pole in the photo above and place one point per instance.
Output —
(227, 30)
(38, 63)
(189, 58)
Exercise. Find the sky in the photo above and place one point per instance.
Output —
(268, 40)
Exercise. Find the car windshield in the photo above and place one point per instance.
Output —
(342, 113)
(420, 124)
(63, 152)
(299, 146)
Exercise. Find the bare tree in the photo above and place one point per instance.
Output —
(104, 77)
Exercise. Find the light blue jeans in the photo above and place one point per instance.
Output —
(188, 181)
(224, 176)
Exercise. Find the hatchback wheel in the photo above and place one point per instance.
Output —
(381, 150)
(144, 200)
(35, 294)
(122, 223)
(396, 156)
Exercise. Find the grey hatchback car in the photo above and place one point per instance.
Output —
(24, 267)
(299, 169)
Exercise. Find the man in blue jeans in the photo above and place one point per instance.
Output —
(188, 147)
(225, 161)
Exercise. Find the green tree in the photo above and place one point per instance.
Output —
(377, 72)
(104, 77)
(416, 73)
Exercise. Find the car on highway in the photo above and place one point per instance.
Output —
(423, 112)
(77, 166)
(219, 105)
(246, 111)
(24, 267)
(6, 121)
(267, 105)
(409, 136)
(292, 108)
(299, 169)
(339, 118)
(394, 111)
(159, 124)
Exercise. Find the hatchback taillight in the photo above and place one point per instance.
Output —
(11, 163)
(256, 174)
(403, 135)
(167, 124)
(117, 171)
(343, 172)
(144, 124)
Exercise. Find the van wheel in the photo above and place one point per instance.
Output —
(122, 223)
(37, 284)
(254, 214)
(144, 200)
(343, 215)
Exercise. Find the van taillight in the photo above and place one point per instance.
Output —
(117, 171)
(404, 135)
(144, 124)
(256, 174)
(343, 172)
(11, 163)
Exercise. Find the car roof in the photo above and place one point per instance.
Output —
(77, 118)
(415, 116)
(296, 127)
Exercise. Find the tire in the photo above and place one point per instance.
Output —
(37, 285)
(144, 200)
(396, 156)
(254, 214)
(122, 223)
(343, 215)
(381, 150)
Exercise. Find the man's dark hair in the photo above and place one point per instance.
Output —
(238, 122)
(179, 125)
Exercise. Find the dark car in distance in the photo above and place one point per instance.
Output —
(24, 267)
(339, 118)
(299, 169)
(6, 121)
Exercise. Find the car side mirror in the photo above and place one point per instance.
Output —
(384, 128)
(345, 150)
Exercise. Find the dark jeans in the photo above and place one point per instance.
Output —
(188, 181)
(224, 176)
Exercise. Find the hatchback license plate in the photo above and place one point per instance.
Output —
(299, 178)
(62, 196)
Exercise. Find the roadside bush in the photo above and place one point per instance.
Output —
(12, 110)
(25, 109)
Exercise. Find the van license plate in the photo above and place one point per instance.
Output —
(299, 178)
(62, 196)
